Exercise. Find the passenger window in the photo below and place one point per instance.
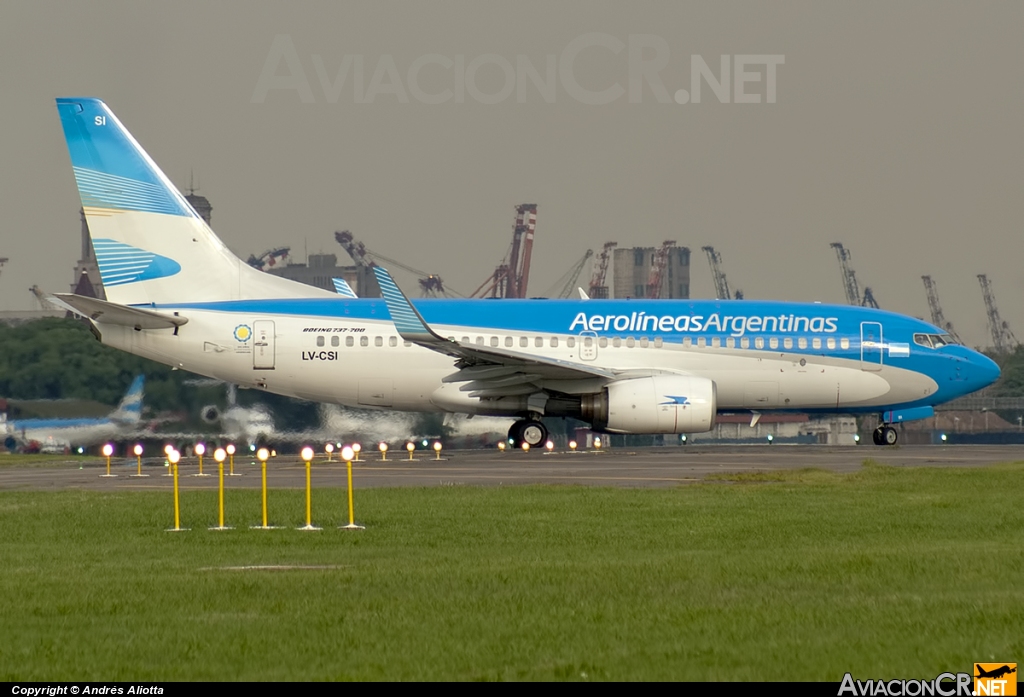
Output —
(392, 341)
(844, 343)
(494, 341)
(816, 343)
(407, 343)
(465, 339)
(630, 342)
(364, 341)
(349, 340)
(658, 342)
(830, 342)
(759, 342)
(602, 342)
(319, 341)
(508, 342)
(773, 342)
(687, 342)
(644, 342)
(335, 340)
(787, 343)
(378, 341)
(588, 341)
(730, 342)
(554, 342)
(700, 342)
(716, 342)
(801, 342)
(616, 342)
(539, 342)
(479, 341)
(745, 342)
(570, 342)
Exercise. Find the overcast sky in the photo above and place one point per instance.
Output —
(895, 129)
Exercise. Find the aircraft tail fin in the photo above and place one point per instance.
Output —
(151, 245)
(129, 410)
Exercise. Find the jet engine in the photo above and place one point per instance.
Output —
(210, 414)
(656, 404)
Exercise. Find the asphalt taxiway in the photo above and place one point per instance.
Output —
(640, 467)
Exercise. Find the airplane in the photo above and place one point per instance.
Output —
(995, 672)
(59, 435)
(177, 295)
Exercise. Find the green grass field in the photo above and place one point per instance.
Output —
(782, 576)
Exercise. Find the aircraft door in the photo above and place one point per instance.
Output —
(870, 346)
(263, 344)
(588, 346)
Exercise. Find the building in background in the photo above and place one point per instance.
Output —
(631, 269)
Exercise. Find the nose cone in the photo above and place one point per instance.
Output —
(983, 371)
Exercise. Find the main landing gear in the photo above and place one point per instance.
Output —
(885, 435)
(527, 431)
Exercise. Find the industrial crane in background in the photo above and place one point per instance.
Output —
(658, 266)
(512, 275)
(721, 283)
(598, 290)
(1003, 339)
(268, 258)
(938, 319)
(431, 285)
(850, 285)
(570, 279)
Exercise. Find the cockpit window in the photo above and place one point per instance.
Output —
(933, 340)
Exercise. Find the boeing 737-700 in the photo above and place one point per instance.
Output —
(62, 434)
(176, 294)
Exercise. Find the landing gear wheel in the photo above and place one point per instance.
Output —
(876, 436)
(526, 431)
(889, 436)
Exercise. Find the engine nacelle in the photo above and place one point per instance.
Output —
(210, 414)
(656, 404)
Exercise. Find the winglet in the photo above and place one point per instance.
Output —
(343, 289)
(410, 324)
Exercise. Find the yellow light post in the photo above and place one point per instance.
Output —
(219, 454)
(356, 448)
(549, 446)
(307, 456)
(262, 454)
(501, 446)
(108, 450)
(329, 448)
(572, 445)
(138, 458)
(168, 449)
(231, 460)
(526, 447)
(173, 456)
(346, 455)
(410, 446)
(597, 444)
(383, 447)
(200, 450)
(437, 449)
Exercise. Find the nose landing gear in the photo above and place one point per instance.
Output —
(885, 435)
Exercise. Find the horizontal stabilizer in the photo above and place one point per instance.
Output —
(112, 313)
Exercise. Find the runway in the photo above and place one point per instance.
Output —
(640, 467)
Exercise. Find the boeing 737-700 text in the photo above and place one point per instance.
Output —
(176, 294)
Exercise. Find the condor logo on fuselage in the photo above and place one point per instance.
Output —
(676, 401)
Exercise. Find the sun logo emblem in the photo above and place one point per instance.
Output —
(242, 332)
